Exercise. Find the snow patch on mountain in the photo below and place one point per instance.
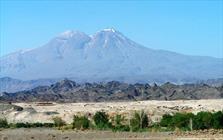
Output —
(109, 30)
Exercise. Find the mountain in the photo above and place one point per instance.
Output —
(69, 91)
(105, 56)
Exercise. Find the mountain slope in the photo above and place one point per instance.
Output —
(105, 56)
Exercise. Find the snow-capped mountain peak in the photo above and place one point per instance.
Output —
(106, 55)
(109, 30)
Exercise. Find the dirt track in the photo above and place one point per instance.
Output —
(51, 134)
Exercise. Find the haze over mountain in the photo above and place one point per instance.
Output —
(107, 55)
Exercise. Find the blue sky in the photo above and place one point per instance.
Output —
(188, 27)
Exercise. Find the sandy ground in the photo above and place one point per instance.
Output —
(52, 134)
(33, 112)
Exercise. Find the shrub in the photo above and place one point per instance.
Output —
(37, 124)
(178, 120)
(203, 120)
(101, 120)
(118, 119)
(22, 125)
(166, 121)
(118, 124)
(81, 122)
(182, 120)
(139, 121)
(218, 120)
(58, 122)
(3, 123)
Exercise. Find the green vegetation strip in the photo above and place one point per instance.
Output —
(138, 123)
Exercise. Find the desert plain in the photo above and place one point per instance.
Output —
(44, 112)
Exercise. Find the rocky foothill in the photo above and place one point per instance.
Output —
(70, 91)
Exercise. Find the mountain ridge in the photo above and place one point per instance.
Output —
(70, 91)
(11, 85)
